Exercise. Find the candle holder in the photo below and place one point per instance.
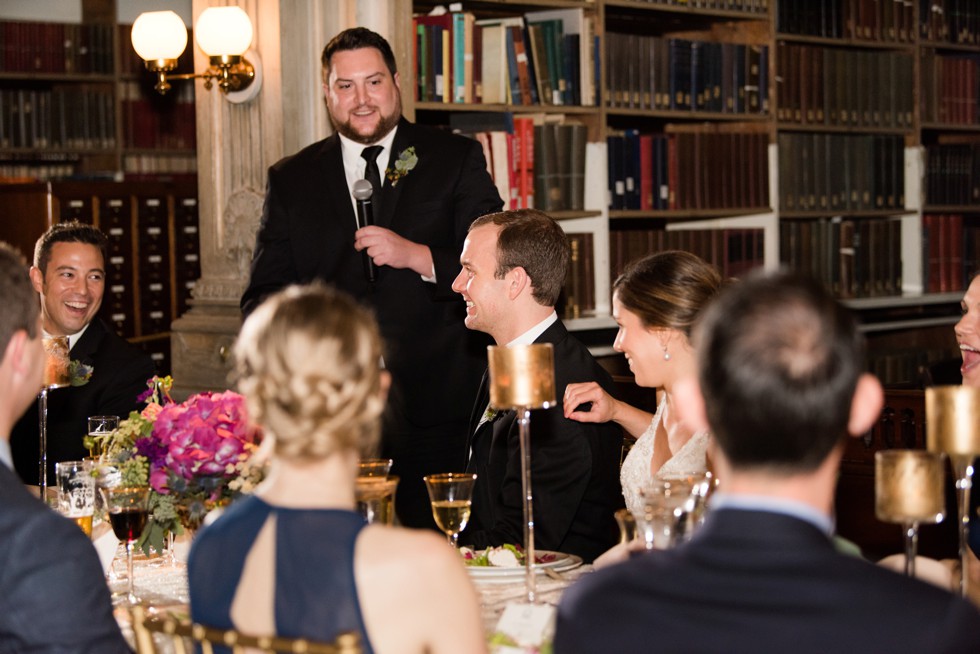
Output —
(55, 376)
(909, 491)
(953, 427)
(522, 377)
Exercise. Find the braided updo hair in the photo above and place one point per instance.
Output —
(308, 365)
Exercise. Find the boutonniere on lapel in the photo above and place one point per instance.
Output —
(403, 165)
(79, 374)
(490, 414)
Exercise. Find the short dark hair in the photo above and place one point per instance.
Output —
(668, 289)
(68, 232)
(778, 362)
(536, 242)
(356, 38)
(20, 303)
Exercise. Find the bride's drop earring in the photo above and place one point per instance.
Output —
(666, 354)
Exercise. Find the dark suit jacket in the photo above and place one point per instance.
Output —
(307, 233)
(119, 374)
(574, 468)
(753, 581)
(53, 595)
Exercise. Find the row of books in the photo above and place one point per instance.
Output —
(949, 88)
(543, 57)
(64, 117)
(830, 86)
(734, 252)
(17, 173)
(838, 172)
(946, 264)
(747, 6)
(688, 168)
(872, 20)
(953, 21)
(155, 121)
(953, 174)
(34, 47)
(578, 294)
(144, 167)
(536, 161)
(651, 72)
(904, 367)
(859, 257)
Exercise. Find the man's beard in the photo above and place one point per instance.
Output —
(385, 125)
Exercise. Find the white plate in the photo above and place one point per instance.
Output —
(560, 563)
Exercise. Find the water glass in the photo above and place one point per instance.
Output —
(99, 427)
(665, 503)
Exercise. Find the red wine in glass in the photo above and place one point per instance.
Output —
(128, 524)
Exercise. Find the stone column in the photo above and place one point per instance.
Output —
(236, 144)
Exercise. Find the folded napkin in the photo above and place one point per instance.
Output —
(106, 544)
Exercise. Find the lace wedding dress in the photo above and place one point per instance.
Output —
(635, 472)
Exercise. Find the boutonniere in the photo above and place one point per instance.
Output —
(490, 414)
(405, 162)
(79, 374)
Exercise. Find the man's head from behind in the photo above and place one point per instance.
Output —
(511, 260)
(69, 275)
(360, 85)
(779, 361)
(21, 353)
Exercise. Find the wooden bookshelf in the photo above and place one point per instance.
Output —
(75, 102)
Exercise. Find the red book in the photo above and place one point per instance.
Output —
(646, 172)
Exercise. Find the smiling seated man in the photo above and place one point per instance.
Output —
(69, 277)
(514, 265)
(53, 597)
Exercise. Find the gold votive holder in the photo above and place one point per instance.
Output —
(522, 376)
(909, 486)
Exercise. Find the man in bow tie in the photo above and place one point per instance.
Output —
(514, 264)
(427, 186)
(53, 597)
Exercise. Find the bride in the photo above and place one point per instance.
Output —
(656, 302)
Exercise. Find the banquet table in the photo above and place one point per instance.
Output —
(161, 584)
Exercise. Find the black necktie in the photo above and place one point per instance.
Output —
(372, 175)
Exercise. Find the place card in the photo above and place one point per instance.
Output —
(523, 628)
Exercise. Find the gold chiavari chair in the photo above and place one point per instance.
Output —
(179, 634)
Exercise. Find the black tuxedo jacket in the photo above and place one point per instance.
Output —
(307, 234)
(574, 467)
(119, 374)
(53, 596)
(753, 581)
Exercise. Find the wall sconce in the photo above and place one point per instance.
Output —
(223, 33)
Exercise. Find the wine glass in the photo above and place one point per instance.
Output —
(909, 491)
(451, 496)
(128, 512)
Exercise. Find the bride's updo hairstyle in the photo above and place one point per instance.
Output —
(668, 289)
(308, 363)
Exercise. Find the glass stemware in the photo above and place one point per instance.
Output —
(451, 495)
(98, 428)
(665, 502)
(909, 491)
(55, 376)
(128, 512)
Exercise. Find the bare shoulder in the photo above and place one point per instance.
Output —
(411, 552)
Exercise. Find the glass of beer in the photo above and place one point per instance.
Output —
(99, 427)
(128, 511)
(451, 495)
(76, 492)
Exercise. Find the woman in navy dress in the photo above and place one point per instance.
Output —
(295, 559)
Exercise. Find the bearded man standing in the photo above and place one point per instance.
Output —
(428, 186)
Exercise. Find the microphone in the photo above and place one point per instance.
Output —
(363, 190)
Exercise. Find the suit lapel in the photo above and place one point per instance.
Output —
(404, 138)
(330, 170)
(86, 346)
